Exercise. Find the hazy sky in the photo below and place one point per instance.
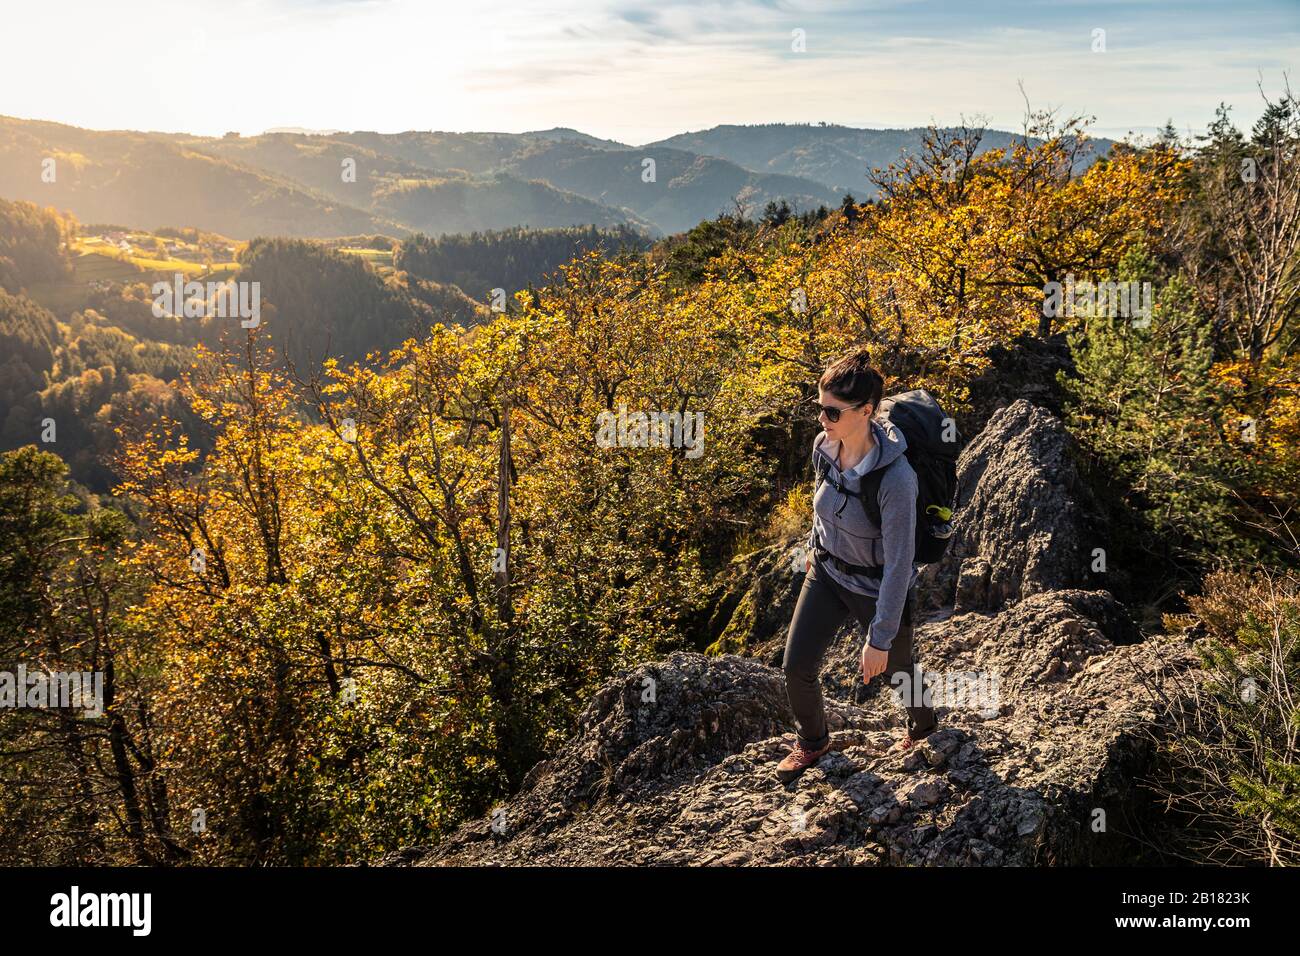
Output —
(634, 70)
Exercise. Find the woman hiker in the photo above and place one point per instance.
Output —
(855, 567)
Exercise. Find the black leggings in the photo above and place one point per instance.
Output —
(822, 607)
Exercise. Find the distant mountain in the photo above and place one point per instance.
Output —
(320, 185)
(285, 184)
(563, 133)
(301, 131)
(148, 180)
(314, 161)
(685, 189)
(439, 206)
(837, 157)
(431, 197)
(442, 152)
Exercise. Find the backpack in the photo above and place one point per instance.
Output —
(924, 425)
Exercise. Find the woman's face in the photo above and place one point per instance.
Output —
(854, 420)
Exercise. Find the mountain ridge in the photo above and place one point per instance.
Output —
(294, 183)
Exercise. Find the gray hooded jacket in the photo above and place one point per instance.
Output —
(851, 536)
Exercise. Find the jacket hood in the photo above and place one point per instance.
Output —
(888, 436)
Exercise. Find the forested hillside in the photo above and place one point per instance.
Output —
(506, 259)
(84, 342)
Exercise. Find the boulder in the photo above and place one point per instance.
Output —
(1027, 368)
(1024, 522)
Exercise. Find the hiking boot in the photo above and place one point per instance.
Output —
(799, 759)
(908, 742)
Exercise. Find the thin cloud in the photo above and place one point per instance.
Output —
(636, 70)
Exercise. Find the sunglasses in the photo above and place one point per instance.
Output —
(833, 413)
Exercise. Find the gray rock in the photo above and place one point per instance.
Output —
(972, 585)
(1023, 520)
(1020, 791)
(927, 793)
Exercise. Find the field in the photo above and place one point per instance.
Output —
(143, 257)
(192, 259)
(381, 260)
(99, 259)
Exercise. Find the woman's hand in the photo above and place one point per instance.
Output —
(874, 661)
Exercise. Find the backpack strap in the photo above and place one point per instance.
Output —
(870, 571)
(819, 466)
(870, 485)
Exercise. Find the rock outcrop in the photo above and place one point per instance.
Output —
(1026, 368)
(688, 778)
(1024, 520)
(1047, 698)
(753, 598)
